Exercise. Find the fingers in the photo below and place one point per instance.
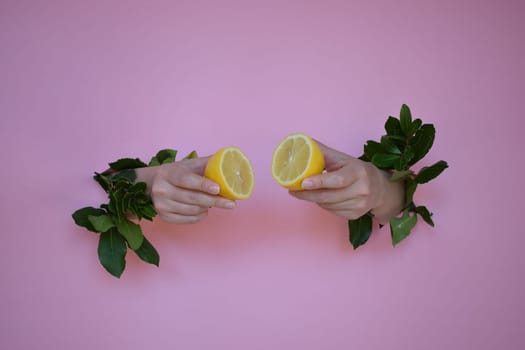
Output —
(174, 218)
(195, 165)
(345, 204)
(169, 206)
(350, 209)
(341, 178)
(182, 175)
(347, 192)
(184, 206)
(349, 214)
(165, 192)
(182, 196)
(330, 196)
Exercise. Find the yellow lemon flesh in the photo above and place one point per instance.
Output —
(297, 157)
(232, 171)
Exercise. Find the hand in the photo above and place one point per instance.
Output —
(351, 187)
(179, 191)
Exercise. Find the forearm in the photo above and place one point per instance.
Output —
(391, 199)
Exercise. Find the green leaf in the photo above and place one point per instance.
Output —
(101, 223)
(422, 142)
(154, 161)
(166, 156)
(115, 198)
(148, 212)
(389, 145)
(431, 172)
(191, 155)
(393, 127)
(139, 187)
(371, 148)
(148, 253)
(129, 175)
(81, 217)
(112, 252)
(115, 203)
(135, 211)
(425, 214)
(131, 231)
(127, 163)
(400, 175)
(103, 181)
(416, 124)
(410, 189)
(384, 161)
(408, 153)
(360, 230)
(399, 141)
(405, 119)
(127, 200)
(400, 227)
(402, 162)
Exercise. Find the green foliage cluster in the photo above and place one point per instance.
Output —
(128, 202)
(406, 142)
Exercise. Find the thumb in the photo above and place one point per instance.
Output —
(196, 165)
(334, 159)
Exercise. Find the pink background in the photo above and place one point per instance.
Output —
(85, 83)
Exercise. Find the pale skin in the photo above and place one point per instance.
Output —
(349, 188)
(180, 192)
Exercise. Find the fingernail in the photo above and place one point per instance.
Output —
(215, 189)
(307, 183)
(230, 205)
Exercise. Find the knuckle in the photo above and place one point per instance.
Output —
(193, 197)
(158, 190)
(203, 184)
(176, 174)
(361, 207)
(361, 171)
(194, 210)
(321, 197)
(161, 208)
(167, 218)
(179, 179)
(338, 180)
(365, 190)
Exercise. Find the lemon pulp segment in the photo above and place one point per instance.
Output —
(238, 172)
(295, 158)
(232, 171)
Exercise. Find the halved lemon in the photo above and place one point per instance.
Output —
(296, 157)
(232, 171)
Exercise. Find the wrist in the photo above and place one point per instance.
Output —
(390, 197)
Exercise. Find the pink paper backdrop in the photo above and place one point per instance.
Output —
(83, 83)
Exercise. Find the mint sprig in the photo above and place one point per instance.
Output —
(405, 143)
(127, 199)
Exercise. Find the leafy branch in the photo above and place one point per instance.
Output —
(127, 199)
(406, 142)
